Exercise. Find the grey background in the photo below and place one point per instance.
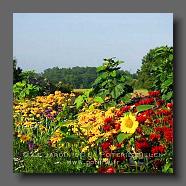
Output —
(7, 7)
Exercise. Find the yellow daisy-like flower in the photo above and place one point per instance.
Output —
(55, 139)
(24, 138)
(84, 149)
(113, 147)
(129, 124)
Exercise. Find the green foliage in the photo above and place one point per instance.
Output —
(122, 136)
(22, 90)
(110, 82)
(16, 72)
(65, 88)
(82, 99)
(157, 71)
(142, 108)
(77, 77)
(31, 77)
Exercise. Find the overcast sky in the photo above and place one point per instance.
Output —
(47, 40)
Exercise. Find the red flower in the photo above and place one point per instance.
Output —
(160, 102)
(126, 108)
(158, 149)
(171, 122)
(108, 120)
(169, 105)
(168, 134)
(154, 137)
(117, 126)
(118, 145)
(163, 112)
(105, 145)
(119, 113)
(141, 118)
(143, 145)
(110, 170)
(158, 164)
(101, 170)
(106, 127)
(119, 159)
(145, 101)
(139, 130)
(154, 93)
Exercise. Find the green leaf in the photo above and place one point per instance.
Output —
(170, 57)
(117, 91)
(167, 83)
(141, 108)
(87, 92)
(123, 136)
(170, 170)
(166, 167)
(98, 99)
(101, 68)
(109, 104)
(113, 73)
(79, 101)
(127, 98)
(99, 140)
(167, 96)
(71, 139)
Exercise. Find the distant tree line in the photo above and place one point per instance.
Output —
(156, 73)
(63, 79)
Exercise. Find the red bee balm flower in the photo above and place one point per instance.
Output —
(143, 145)
(154, 137)
(117, 126)
(139, 130)
(108, 120)
(126, 108)
(106, 127)
(105, 145)
(168, 134)
(141, 118)
(169, 105)
(158, 149)
(101, 170)
(154, 93)
(110, 170)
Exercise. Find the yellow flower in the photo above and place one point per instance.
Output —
(24, 138)
(105, 160)
(55, 139)
(92, 139)
(84, 149)
(112, 147)
(129, 124)
(42, 128)
(28, 124)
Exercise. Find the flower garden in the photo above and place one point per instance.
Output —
(107, 129)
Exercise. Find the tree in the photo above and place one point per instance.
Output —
(157, 71)
(16, 72)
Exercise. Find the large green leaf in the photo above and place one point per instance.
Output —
(99, 99)
(142, 108)
(117, 91)
(123, 136)
(127, 98)
(79, 101)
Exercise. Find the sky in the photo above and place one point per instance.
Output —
(46, 40)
